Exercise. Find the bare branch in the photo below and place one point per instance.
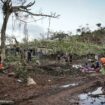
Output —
(30, 4)
(8, 1)
(2, 1)
(53, 15)
(26, 10)
(30, 21)
(23, 7)
(24, 2)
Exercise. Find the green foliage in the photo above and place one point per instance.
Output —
(73, 45)
(21, 72)
(12, 58)
(59, 35)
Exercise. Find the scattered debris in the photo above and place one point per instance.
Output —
(30, 81)
(20, 81)
(68, 85)
(6, 102)
(76, 66)
(49, 80)
(38, 62)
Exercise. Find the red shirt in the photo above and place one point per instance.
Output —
(1, 66)
(102, 60)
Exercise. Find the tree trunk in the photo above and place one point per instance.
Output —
(3, 36)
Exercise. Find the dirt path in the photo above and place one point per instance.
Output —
(61, 97)
(57, 92)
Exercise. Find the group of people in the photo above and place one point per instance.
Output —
(95, 66)
(91, 66)
(64, 57)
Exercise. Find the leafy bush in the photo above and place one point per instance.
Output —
(21, 72)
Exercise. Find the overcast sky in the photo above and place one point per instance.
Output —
(73, 13)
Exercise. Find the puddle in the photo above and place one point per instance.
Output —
(86, 99)
(69, 85)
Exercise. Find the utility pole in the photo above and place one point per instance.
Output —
(48, 33)
(26, 32)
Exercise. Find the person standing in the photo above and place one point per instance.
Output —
(102, 70)
(29, 57)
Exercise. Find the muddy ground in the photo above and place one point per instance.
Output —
(59, 89)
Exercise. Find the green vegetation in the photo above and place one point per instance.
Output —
(86, 42)
(78, 44)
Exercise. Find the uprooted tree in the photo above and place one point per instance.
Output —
(15, 7)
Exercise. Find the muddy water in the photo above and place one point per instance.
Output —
(92, 98)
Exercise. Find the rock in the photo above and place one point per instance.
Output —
(49, 80)
(20, 81)
(30, 81)
(38, 62)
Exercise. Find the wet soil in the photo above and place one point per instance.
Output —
(60, 89)
(50, 90)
